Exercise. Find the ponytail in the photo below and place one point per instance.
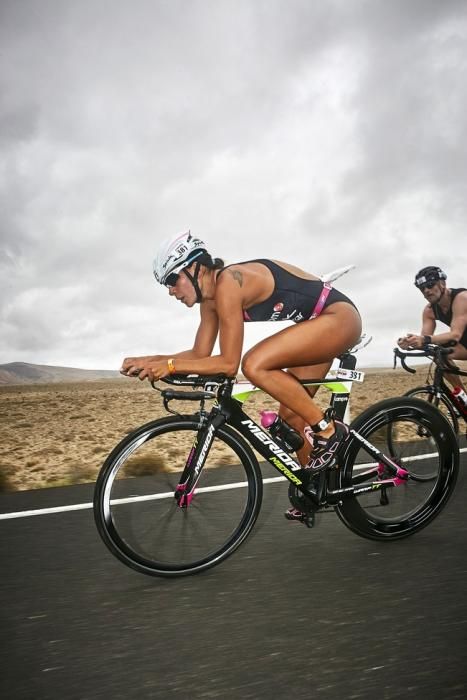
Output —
(210, 262)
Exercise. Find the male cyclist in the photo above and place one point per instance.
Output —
(446, 305)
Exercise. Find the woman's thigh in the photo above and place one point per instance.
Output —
(309, 343)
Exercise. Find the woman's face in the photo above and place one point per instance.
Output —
(183, 290)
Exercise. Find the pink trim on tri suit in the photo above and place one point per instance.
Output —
(319, 306)
(321, 300)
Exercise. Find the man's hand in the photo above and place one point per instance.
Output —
(411, 342)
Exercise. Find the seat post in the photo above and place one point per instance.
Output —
(347, 361)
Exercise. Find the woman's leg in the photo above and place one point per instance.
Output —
(309, 372)
(306, 344)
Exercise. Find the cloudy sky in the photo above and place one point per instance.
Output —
(319, 132)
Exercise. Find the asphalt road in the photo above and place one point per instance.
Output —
(294, 613)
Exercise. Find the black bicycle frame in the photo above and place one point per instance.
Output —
(438, 388)
(230, 412)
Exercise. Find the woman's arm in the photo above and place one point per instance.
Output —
(204, 342)
(228, 312)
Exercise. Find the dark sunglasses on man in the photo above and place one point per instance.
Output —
(425, 283)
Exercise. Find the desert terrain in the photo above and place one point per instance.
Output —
(60, 433)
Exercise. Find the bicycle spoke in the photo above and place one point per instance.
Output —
(143, 522)
(441, 403)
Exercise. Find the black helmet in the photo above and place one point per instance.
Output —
(428, 276)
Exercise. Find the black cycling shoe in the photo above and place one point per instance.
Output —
(323, 454)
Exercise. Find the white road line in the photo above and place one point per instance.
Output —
(129, 499)
(152, 497)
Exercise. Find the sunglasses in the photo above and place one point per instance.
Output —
(428, 284)
(171, 279)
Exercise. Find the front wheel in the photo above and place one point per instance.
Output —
(430, 395)
(141, 521)
(418, 438)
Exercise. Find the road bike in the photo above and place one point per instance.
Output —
(435, 390)
(181, 493)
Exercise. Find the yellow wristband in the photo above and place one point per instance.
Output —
(171, 366)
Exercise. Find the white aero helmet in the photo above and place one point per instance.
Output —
(176, 253)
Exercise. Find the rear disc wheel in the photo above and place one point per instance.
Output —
(419, 439)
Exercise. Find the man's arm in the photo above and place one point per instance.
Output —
(458, 326)
(458, 323)
(428, 321)
(411, 340)
(459, 316)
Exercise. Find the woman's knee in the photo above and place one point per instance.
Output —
(250, 364)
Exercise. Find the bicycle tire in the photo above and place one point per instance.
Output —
(403, 510)
(428, 393)
(448, 409)
(138, 517)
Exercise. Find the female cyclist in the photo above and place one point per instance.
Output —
(326, 324)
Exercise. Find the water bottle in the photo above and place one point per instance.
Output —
(281, 431)
(460, 398)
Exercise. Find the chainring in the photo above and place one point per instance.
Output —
(299, 500)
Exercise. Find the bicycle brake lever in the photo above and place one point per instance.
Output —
(406, 367)
(398, 354)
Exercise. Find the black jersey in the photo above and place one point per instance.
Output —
(293, 298)
(447, 317)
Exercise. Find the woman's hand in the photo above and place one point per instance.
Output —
(153, 371)
(142, 367)
(130, 365)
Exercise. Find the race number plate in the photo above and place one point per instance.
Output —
(352, 374)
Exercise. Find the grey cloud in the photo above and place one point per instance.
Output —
(411, 104)
(115, 117)
(409, 136)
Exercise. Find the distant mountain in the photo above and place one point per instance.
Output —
(25, 373)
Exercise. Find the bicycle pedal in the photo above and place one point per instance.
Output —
(308, 519)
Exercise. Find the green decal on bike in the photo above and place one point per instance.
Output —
(242, 397)
(282, 468)
(336, 387)
(243, 390)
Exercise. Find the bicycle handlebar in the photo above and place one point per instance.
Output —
(195, 379)
(435, 352)
(171, 394)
